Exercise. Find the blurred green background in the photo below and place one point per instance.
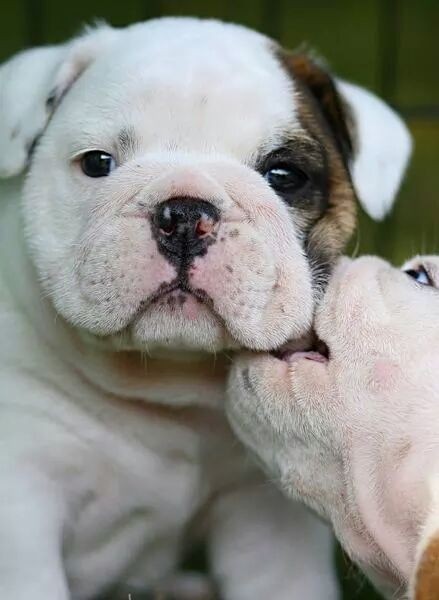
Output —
(390, 46)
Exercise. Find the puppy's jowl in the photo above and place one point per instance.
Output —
(190, 185)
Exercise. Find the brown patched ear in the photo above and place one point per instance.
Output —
(370, 137)
(319, 83)
(323, 116)
(427, 576)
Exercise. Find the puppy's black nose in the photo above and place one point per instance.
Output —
(185, 227)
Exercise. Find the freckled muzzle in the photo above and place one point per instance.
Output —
(205, 258)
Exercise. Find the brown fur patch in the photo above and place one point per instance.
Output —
(322, 87)
(427, 577)
(324, 117)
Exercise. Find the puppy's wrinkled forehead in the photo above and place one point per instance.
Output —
(214, 88)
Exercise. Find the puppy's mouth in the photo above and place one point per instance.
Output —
(181, 289)
(309, 347)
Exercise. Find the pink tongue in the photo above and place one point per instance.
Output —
(291, 356)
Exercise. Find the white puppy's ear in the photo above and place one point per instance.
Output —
(381, 149)
(32, 84)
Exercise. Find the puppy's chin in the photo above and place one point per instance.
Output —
(168, 327)
(180, 323)
(172, 326)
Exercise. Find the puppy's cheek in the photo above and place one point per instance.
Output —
(258, 403)
(279, 401)
(262, 375)
(263, 297)
(117, 268)
(321, 412)
(354, 300)
(309, 381)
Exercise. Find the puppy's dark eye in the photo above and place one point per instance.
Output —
(96, 163)
(420, 275)
(285, 179)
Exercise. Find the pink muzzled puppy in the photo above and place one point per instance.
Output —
(354, 432)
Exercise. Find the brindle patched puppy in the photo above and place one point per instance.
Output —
(191, 186)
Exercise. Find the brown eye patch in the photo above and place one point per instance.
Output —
(297, 172)
(286, 179)
(324, 211)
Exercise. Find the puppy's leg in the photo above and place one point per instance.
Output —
(30, 538)
(266, 546)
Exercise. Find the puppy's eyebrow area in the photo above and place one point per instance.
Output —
(304, 150)
(127, 143)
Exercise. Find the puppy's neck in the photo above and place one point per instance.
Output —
(196, 380)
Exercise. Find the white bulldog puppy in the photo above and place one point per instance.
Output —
(354, 433)
(190, 186)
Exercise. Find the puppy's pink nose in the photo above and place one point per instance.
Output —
(184, 227)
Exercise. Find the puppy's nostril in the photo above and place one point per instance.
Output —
(204, 226)
(167, 229)
(192, 218)
(167, 221)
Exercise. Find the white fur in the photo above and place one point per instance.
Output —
(114, 438)
(383, 150)
(111, 404)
